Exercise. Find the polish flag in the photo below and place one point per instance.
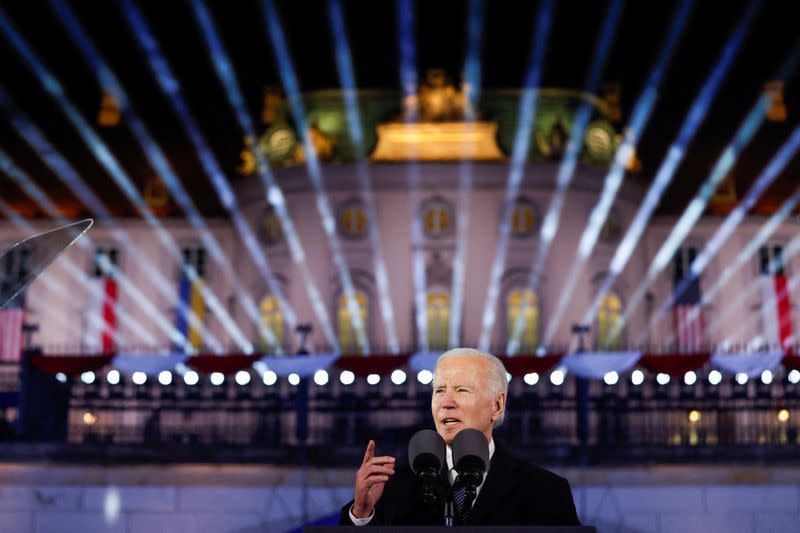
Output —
(776, 310)
(102, 320)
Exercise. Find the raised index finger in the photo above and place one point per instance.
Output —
(370, 451)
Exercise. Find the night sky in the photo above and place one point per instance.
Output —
(508, 29)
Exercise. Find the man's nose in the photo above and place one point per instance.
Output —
(449, 401)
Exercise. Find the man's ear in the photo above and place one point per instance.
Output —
(499, 406)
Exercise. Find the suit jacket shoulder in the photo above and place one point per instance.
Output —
(518, 493)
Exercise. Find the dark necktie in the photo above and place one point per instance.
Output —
(460, 502)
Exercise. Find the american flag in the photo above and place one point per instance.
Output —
(688, 310)
(11, 318)
(776, 307)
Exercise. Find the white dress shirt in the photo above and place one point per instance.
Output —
(452, 474)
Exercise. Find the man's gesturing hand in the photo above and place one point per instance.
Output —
(370, 480)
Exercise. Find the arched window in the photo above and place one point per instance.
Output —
(523, 219)
(608, 316)
(437, 218)
(352, 220)
(271, 320)
(438, 315)
(348, 338)
(523, 301)
(271, 230)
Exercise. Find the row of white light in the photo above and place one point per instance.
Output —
(398, 377)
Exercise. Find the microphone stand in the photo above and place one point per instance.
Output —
(449, 514)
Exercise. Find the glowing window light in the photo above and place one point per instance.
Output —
(662, 379)
(217, 378)
(532, 378)
(89, 418)
(270, 378)
(425, 376)
(321, 377)
(88, 377)
(611, 378)
(294, 379)
(741, 378)
(715, 377)
(139, 378)
(398, 377)
(783, 415)
(242, 377)
(637, 377)
(690, 378)
(113, 377)
(694, 416)
(557, 377)
(191, 378)
(373, 379)
(347, 377)
(165, 377)
(794, 377)
(522, 315)
(766, 377)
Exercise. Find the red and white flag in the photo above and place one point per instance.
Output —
(102, 316)
(776, 310)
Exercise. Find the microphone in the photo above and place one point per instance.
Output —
(426, 453)
(470, 457)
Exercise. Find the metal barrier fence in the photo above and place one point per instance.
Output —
(330, 424)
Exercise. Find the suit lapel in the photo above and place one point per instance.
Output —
(494, 490)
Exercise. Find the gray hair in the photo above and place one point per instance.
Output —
(498, 380)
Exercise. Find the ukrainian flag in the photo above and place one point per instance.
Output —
(190, 300)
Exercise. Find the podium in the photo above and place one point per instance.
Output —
(440, 529)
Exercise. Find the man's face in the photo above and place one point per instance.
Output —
(461, 397)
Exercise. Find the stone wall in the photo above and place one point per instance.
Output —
(242, 499)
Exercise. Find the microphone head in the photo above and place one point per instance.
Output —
(470, 450)
(426, 450)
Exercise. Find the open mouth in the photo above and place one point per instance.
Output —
(450, 422)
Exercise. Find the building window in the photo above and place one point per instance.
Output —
(271, 230)
(16, 262)
(523, 302)
(438, 315)
(770, 261)
(194, 257)
(684, 257)
(352, 220)
(437, 218)
(523, 219)
(608, 317)
(104, 259)
(271, 320)
(348, 337)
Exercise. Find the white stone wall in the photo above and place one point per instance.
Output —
(239, 499)
(61, 315)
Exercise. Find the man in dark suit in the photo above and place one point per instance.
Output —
(469, 391)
